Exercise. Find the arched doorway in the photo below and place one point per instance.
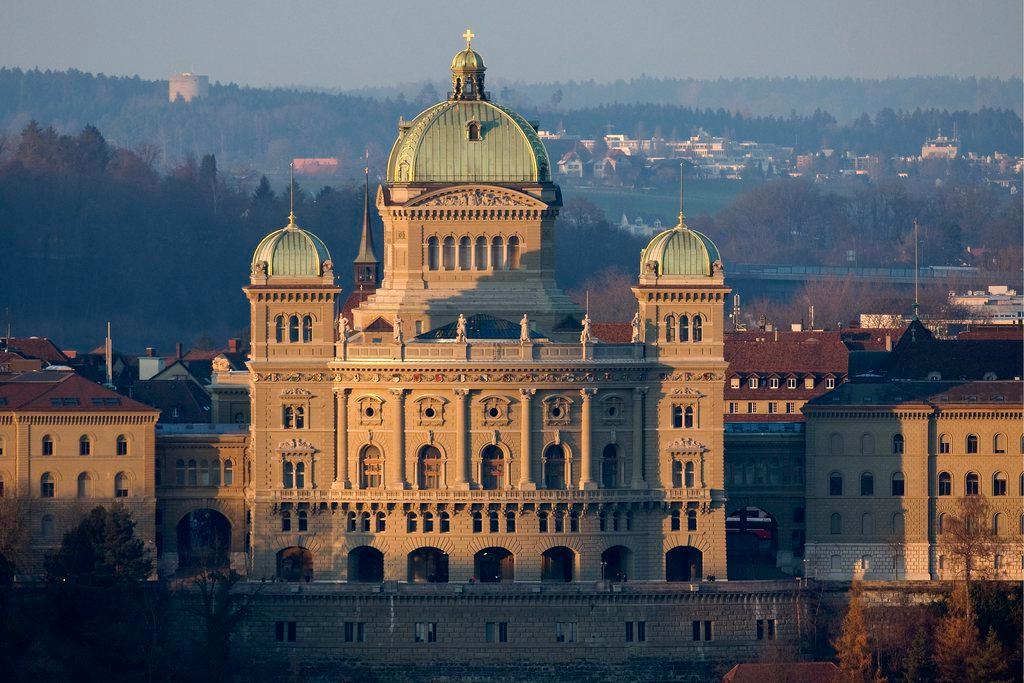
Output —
(365, 565)
(494, 565)
(554, 467)
(295, 564)
(752, 544)
(684, 563)
(428, 464)
(616, 563)
(428, 565)
(557, 564)
(204, 540)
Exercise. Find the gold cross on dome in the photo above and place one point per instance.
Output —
(469, 36)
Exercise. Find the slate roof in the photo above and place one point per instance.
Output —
(921, 393)
(61, 391)
(479, 326)
(918, 354)
(191, 402)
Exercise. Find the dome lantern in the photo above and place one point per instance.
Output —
(468, 73)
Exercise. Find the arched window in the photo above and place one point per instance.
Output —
(429, 466)
(303, 520)
(46, 526)
(684, 328)
(279, 328)
(945, 484)
(370, 468)
(480, 253)
(193, 473)
(972, 443)
(492, 468)
(293, 329)
(999, 484)
(677, 417)
(610, 466)
(999, 444)
(204, 472)
(675, 523)
(940, 523)
(867, 524)
(352, 522)
(47, 445)
(497, 253)
(867, 444)
(493, 525)
(542, 522)
(85, 445)
(448, 253)
(898, 523)
(698, 328)
(867, 484)
(691, 520)
(473, 131)
(307, 328)
(428, 522)
(897, 444)
(670, 328)
(997, 524)
(465, 254)
(898, 487)
(229, 473)
(364, 522)
(121, 446)
(835, 444)
(47, 487)
(689, 476)
(411, 523)
(444, 522)
(971, 484)
(835, 523)
(84, 485)
(943, 443)
(300, 475)
(478, 522)
(433, 253)
(288, 475)
(286, 520)
(512, 253)
(120, 485)
(688, 417)
(382, 522)
(554, 467)
(835, 484)
(510, 522)
(179, 472)
(677, 474)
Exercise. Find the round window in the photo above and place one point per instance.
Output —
(493, 412)
(369, 411)
(556, 411)
(613, 411)
(429, 412)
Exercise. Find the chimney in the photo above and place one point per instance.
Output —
(888, 342)
(796, 327)
(776, 334)
(233, 345)
(177, 351)
(150, 351)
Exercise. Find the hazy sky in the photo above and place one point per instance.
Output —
(343, 44)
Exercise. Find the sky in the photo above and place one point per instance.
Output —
(343, 44)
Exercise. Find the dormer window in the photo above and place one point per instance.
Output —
(752, 382)
(773, 382)
(473, 131)
(791, 383)
(734, 383)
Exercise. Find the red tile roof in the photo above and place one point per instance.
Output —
(613, 333)
(1015, 332)
(55, 391)
(792, 672)
(35, 347)
(785, 352)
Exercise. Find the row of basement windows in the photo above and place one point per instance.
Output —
(498, 631)
(84, 489)
(444, 254)
(86, 445)
(972, 484)
(945, 445)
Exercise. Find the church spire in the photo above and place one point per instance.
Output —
(367, 265)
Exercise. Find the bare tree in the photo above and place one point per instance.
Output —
(969, 541)
(14, 535)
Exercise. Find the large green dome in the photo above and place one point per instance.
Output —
(680, 251)
(437, 146)
(291, 252)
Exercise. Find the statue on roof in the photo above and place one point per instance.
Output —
(524, 330)
(343, 328)
(585, 336)
(399, 338)
(460, 329)
(635, 324)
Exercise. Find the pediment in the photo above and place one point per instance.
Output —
(476, 196)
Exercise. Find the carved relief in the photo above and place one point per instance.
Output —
(612, 412)
(686, 444)
(557, 410)
(474, 197)
(296, 447)
(370, 410)
(430, 410)
(496, 410)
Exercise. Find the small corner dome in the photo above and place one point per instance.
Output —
(292, 252)
(680, 251)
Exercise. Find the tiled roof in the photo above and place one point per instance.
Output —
(1009, 394)
(786, 352)
(169, 395)
(792, 672)
(612, 333)
(35, 347)
(54, 391)
(918, 354)
(1014, 332)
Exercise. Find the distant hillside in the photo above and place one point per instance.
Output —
(262, 129)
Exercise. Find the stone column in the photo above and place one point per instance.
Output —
(586, 456)
(638, 438)
(460, 462)
(526, 482)
(341, 479)
(396, 464)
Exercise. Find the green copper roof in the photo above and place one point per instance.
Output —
(680, 251)
(468, 60)
(435, 147)
(292, 252)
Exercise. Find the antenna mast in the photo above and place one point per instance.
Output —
(917, 274)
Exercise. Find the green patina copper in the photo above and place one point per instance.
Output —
(680, 251)
(292, 252)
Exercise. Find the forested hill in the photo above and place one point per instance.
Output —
(262, 129)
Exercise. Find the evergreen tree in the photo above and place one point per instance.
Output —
(853, 648)
(956, 638)
(991, 663)
(101, 550)
(918, 664)
(263, 192)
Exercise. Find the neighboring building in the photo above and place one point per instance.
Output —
(67, 445)
(323, 166)
(187, 86)
(639, 228)
(890, 452)
(941, 147)
(997, 303)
